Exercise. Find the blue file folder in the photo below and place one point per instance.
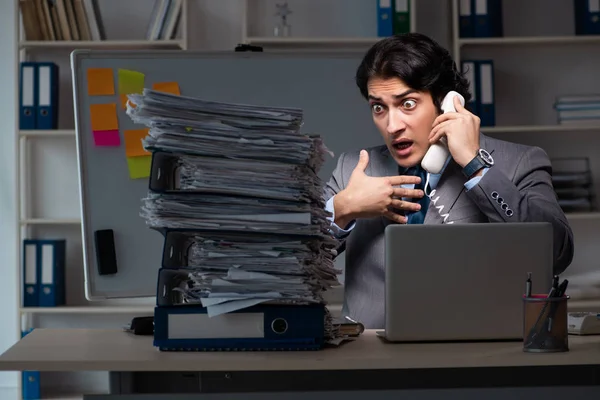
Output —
(466, 18)
(385, 21)
(30, 380)
(469, 69)
(47, 107)
(28, 91)
(587, 17)
(258, 328)
(31, 287)
(49, 287)
(488, 18)
(486, 92)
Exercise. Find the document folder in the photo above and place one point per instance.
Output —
(265, 327)
(28, 87)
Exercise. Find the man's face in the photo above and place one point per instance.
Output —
(404, 117)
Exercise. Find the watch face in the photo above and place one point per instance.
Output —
(487, 157)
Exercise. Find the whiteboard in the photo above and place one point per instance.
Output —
(319, 83)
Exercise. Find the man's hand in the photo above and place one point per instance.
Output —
(461, 129)
(367, 196)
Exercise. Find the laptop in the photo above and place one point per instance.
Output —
(462, 282)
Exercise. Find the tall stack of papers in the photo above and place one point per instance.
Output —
(237, 188)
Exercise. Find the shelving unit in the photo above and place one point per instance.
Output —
(533, 65)
(63, 140)
(104, 44)
(325, 38)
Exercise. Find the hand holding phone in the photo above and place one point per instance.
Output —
(438, 152)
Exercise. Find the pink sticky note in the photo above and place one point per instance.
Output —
(107, 138)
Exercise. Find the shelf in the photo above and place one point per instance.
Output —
(539, 128)
(116, 309)
(530, 40)
(582, 215)
(47, 133)
(578, 305)
(51, 221)
(101, 44)
(313, 41)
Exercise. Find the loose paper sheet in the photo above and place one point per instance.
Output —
(107, 138)
(133, 142)
(123, 100)
(104, 117)
(130, 81)
(139, 167)
(100, 82)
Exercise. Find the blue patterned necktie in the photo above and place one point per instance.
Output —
(419, 216)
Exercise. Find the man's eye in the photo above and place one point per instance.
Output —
(377, 108)
(410, 104)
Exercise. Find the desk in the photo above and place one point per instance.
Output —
(367, 364)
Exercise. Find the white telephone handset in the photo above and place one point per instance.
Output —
(438, 152)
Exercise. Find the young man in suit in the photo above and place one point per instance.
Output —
(405, 78)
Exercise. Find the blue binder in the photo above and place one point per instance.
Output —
(31, 287)
(47, 107)
(30, 380)
(486, 92)
(488, 18)
(28, 90)
(587, 17)
(51, 255)
(385, 21)
(188, 327)
(466, 18)
(469, 69)
(257, 328)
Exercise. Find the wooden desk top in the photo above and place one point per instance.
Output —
(115, 350)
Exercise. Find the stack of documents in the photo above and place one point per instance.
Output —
(242, 182)
(581, 109)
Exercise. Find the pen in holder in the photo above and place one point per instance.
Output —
(545, 323)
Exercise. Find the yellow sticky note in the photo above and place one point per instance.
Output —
(130, 81)
(100, 82)
(167, 87)
(104, 117)
(139, 167)
(133, 142)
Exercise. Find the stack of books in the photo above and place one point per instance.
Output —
(247, 256)
(578, 109)
(573, 184)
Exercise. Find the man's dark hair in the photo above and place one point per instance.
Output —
(420, 62)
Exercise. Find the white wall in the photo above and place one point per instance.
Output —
(8, 244)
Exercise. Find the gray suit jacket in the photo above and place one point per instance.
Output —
(521, 177)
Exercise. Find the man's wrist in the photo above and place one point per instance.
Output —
(481, 160)
(479, 172)
(467, 158)
(343, 212)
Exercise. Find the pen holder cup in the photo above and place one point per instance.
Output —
(545, 324)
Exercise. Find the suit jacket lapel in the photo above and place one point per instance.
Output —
(384, 165)
(443, 197)
(449, 188)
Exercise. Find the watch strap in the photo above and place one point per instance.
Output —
(473, 166)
